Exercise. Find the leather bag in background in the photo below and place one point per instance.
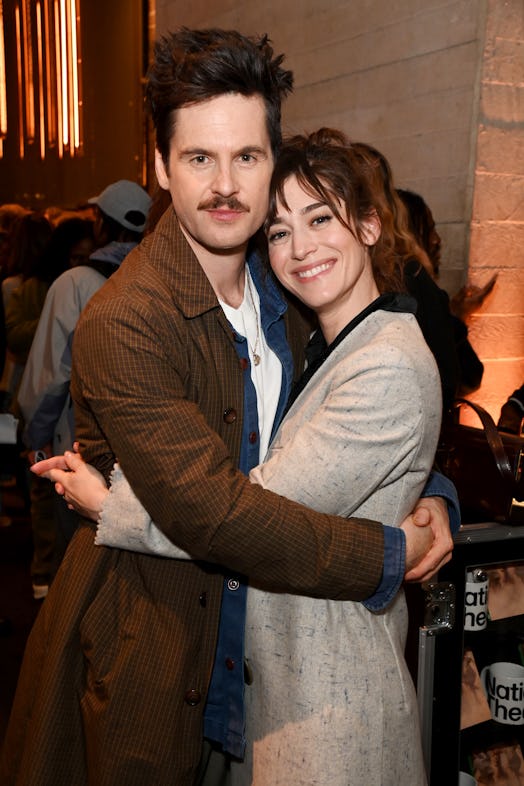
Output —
(486, 465)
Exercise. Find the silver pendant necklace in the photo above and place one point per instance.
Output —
(254, 349)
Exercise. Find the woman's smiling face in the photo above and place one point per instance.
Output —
(320, 260)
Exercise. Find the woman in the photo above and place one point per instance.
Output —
(469, 369)
(433, 315)
(331, 700)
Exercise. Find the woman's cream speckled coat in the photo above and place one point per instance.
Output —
(332, 702)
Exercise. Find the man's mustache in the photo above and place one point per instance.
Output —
(231, 203)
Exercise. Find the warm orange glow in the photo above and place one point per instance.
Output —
(64, 68)
(70, 87)
(41, 111)
(29, 89)
(70, 69)
(50, 85)
(21, 146)
(75, 98)
(59, 90)
(3, 93)
(48, 45)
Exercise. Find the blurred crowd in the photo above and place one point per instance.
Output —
(51, 263)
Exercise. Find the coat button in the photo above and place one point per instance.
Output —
(202, 599)
(230, 664)
(244, 364)
(100, 689)
(192, 697)
(252, 437)
(233, 584)
(230, 415)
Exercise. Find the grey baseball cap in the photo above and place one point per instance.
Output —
(126, 203)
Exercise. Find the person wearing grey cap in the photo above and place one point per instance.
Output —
(126, 204)
(122, 210)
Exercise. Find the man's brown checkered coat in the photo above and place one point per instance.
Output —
(114, 681)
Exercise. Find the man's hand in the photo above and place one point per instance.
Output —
(431, 513)
(419, 540)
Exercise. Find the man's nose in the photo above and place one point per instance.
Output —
(224, 182)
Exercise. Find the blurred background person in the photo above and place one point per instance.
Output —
(121, 214)
(10, 214)
(467, 300)
(5, 521)
(512, 413)
(433, 315)
(44, 253)
(30, 236)
(40, 255)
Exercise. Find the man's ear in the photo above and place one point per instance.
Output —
(371, 229)
(161, 172)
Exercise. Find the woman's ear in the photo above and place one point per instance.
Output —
(161, 172)
(371, 229)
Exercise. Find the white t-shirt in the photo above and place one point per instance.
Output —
(267, 375)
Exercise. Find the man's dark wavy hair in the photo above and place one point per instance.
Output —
(191, 66)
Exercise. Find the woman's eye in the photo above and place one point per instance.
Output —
(274, 237)
(321, 219)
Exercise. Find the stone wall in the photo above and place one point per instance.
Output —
(430, 83)
(497, 223)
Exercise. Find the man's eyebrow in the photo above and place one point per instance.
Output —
(252, 149)
(201, 151)
(195, 151)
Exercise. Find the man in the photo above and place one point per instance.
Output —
(127, 667)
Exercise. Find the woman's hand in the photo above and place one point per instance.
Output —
(470, 298)
(82, 486)
(431, 514)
